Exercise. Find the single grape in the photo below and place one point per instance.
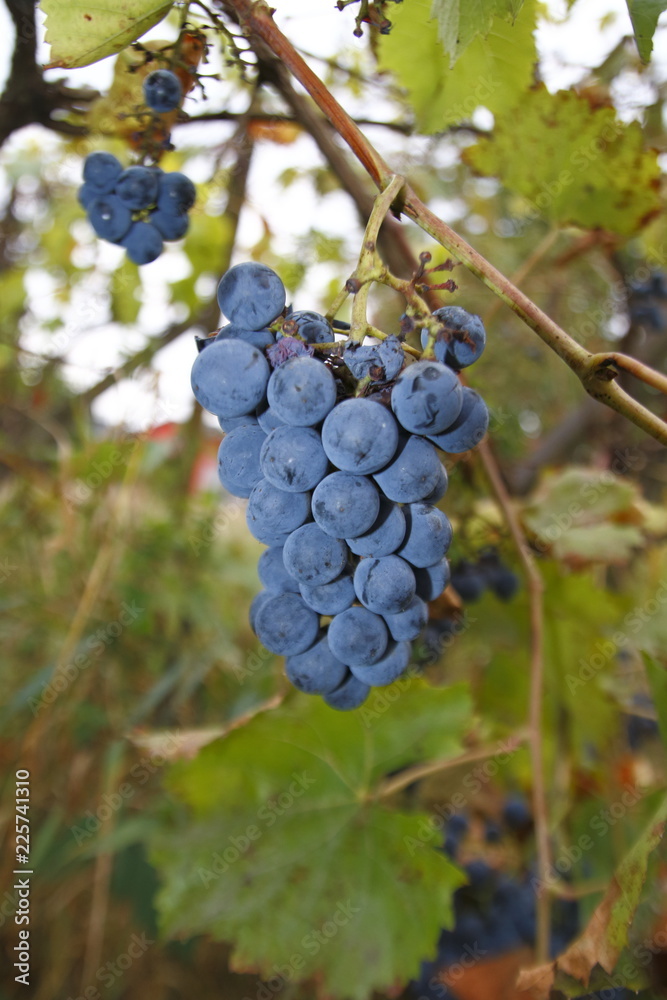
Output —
(432, 580)
(412, 474)
(313, 557)
(350, 694)
(251, 295)
(273, 511)
(357, 636)
(301, 392)
(380, 362)
(407, 624)
(345, 505)
(162, 91)
(310, 326)
(385, 534)
(176, 193)
(230, 378)
(469, 427)
(316, 670)
(499, 578)
(330, 598)
(440, 488)
(257, 602)
(172, 227)
(110, 219)
(293, 459)
(137, 187)
(360, 435)
(101, 171)
(272, 572)
(142, 243)
(428, 534)
(426, 398)
(467, 581)
(388, 668)
(239, 468)
(462, 341)
(285, 625)
(385, 585)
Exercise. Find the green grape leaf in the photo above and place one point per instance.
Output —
(82, 33)
(606, 933)
(644, 15)
(573, 163)
(460, 22)
(493, 71)
(657, 678)
(287, 807)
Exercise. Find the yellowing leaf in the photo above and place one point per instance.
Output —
(82, 33)
(493, 71)
(575, 164)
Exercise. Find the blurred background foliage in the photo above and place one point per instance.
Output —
(127, 574)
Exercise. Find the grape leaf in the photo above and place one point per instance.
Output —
(606, 933)
(493, 71)
(82, 33)
(575, 164)
(459, 23)
(644, 15)
(284, 809)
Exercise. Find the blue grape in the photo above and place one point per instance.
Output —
(142, 243)
(268, 420)
(272, 511)
(310, 326)
(87, 193)
(101, 171)
(516, 814)
(407, 624)
(293, 459)
(349, 695)
(171, 227)
(110, 219)
(426, 398)
(467, 581)
(345, 505)
(176, 193)
(301, 392)
(385, 585)
(432, 580)
(228, 424)
(316, 670)
(463, 340)
(256, 603)
(261, 339)
(330, 598)
(499, 579)
(272, 572)
(287, 348)
(239, 468)
(357, 637)
(385, 534)
(428, 534)
(412, 474)
(388, 668)
(137, 187)
(312, 556)
(285, 625)
(229, 378)
(440, 488)
(251, 295)
(162, 91)
(469, 427)
(380, 362)
(360, 435)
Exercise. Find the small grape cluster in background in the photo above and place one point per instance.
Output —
(341, 487)
(487, 572)
(139, 207)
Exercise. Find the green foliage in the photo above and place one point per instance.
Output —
(575, 164)
(80, 34)
(644, 15)
(459, 23)
(286, 808)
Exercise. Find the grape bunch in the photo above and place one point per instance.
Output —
(137, 208)
(341, 488)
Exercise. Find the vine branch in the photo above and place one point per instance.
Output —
(255, 17)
